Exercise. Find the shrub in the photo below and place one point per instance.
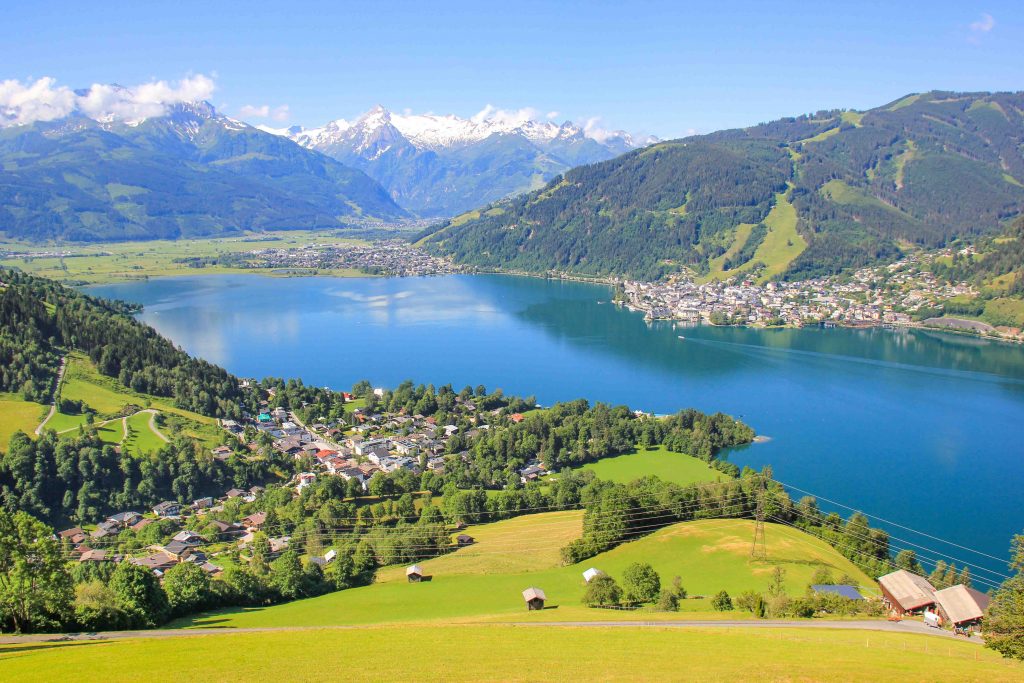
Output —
(667, 601)
(722, 602)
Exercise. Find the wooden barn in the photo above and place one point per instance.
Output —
(534, 598)
(414, 573)
(906, 593)
(464, 539)
(962, 607)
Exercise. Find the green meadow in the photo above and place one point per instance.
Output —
(513, 653)
(484, 581)
(658, 462)
(111, 262)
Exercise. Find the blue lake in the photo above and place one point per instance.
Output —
(918, 428)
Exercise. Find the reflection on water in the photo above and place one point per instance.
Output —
(892, 421)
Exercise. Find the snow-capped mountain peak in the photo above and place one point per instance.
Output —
(442, 131)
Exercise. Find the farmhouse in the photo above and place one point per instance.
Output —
(74, 535)
(961, 606)
(534, 598)
(168, 508)
(906, 593)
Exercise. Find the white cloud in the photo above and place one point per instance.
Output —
(552, 115)
(22, 103)
(506, 116)
(264, 111)
(44, 100)
(983, 25)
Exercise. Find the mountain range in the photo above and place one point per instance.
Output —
(189, 171)
(798, 197)
(439, 166)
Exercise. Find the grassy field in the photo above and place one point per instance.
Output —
(17, 413)
(108, 398)
(659, 462)
(783, 243)
(716, 264)
(110, 262)
(509, 653)
(141, 438)
(483, 582)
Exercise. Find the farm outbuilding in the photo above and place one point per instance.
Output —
(414, 573)
(534, 598)
(905, 592)
(464, 539)
(591, 574)
(961, 606)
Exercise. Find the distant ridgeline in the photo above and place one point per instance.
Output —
(825, 192)
(190, 172)
(40, 320)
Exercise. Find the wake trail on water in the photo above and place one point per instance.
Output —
(757, 351)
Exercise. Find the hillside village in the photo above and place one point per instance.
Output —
(883, 295)
(367, 445)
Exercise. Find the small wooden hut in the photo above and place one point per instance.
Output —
(591, 574)
(414, 573)
(464, 539)
(534, 598)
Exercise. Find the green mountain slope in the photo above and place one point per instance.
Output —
(189, 173)
(834, 190)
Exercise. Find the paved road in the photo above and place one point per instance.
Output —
(56, 395)
(858, 625)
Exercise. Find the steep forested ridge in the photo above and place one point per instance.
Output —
(922, 171)
(192, 172)
(40, 318)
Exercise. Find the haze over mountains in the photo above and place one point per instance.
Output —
(442, 165)
(167, 170)
(794, 198)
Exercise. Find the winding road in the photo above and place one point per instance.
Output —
(56, 395)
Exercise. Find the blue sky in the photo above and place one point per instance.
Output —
(666, 68)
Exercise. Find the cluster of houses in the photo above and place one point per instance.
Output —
(959, 606)
(375, 442)
(882, 295)
(184, 546)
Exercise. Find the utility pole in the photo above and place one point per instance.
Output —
(757, 549)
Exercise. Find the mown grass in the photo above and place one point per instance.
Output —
(18, 414)
(783, 243)
(483, 582)
(111, 262)
(739, 239)
(510, 653)
(108, 398)
(658, 462)
(141, 438)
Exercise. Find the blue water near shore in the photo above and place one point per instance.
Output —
(921, 428)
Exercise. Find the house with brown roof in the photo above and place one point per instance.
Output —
(904, 592)
(255, 521)
(534, 598)
(74, 535)
(962, 607)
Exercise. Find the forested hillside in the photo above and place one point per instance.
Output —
(40, 320)
(191, 172)
(827, 191)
